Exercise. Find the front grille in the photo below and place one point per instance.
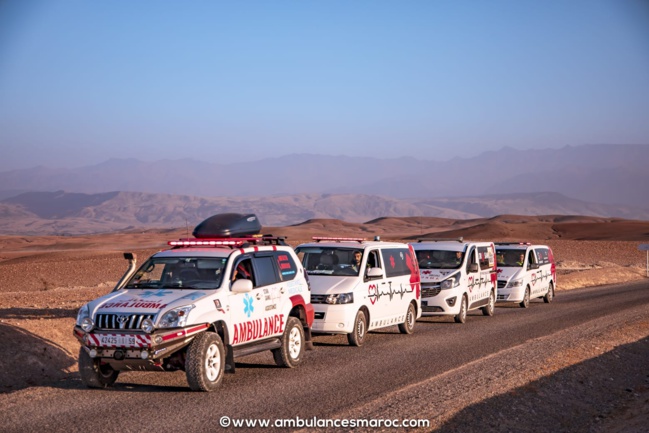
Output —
(319, 316)
(428, 291)
(502, 284)
(503, 297)
(120, 321)
(318, 299)
(426, 309)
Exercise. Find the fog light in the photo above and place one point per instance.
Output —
(144, 354)
(451, 301)
(158, 339)
(92, 353)
(341, 325)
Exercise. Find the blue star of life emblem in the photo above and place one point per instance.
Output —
(247, 302)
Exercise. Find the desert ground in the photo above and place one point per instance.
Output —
(45, 279)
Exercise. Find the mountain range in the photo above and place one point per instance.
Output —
(606, 174)
(598, 180)
(63, 213)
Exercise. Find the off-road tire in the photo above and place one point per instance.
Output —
(408, 327)
(357, 336)
(489, 309)
(205, 362)
(93, 373)
(549, 297)
(461, 316)
(290, 354)
(525, 303)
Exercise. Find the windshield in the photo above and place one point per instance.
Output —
(439, 259)
(179, 273)
(510, 258)
(331, 260)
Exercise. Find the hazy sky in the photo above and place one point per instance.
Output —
(84, 81)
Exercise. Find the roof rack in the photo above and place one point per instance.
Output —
(459, 239)
(229, 242)
(512, 243)
(324, 238)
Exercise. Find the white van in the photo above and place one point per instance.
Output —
(358, 286)
(525, 272)
(457, 276)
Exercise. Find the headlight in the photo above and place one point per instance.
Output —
(87, 324)
(175, 318)
(84, 320)
(147, 326)
(341, 298)
(450, 282)
(82, 314)
(515, 283)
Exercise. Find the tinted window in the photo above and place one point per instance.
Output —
(394, 260)
(485, 257)
(542, 256)
(286, 265)
(265, 271)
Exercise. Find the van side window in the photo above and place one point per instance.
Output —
(373, 260)
(395, 261)
(542, 256)
(531, 259)
(484, 259)
(471, 258)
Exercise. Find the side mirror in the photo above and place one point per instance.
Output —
(534, 266)
(374, 273)
(473, 267)
(242, 286)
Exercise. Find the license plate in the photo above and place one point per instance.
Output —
(118, 340)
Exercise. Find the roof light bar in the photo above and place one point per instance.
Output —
(202, 242)
(229, 242)
(513, 243)
(325, 238)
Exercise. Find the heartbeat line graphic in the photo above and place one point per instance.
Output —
(400, 291)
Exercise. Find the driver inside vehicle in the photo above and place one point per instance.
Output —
(356, 260)
(242, 271)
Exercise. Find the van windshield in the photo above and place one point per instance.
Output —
(178, 273)
(440, 259)
(331, 261)
(510, 258)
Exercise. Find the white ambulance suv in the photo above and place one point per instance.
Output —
(198, 306)
(457, 276)
(359, 285)
(525, 272)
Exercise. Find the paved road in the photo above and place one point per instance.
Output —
(333, 377)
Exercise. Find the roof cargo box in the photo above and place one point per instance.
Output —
(228, 225)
